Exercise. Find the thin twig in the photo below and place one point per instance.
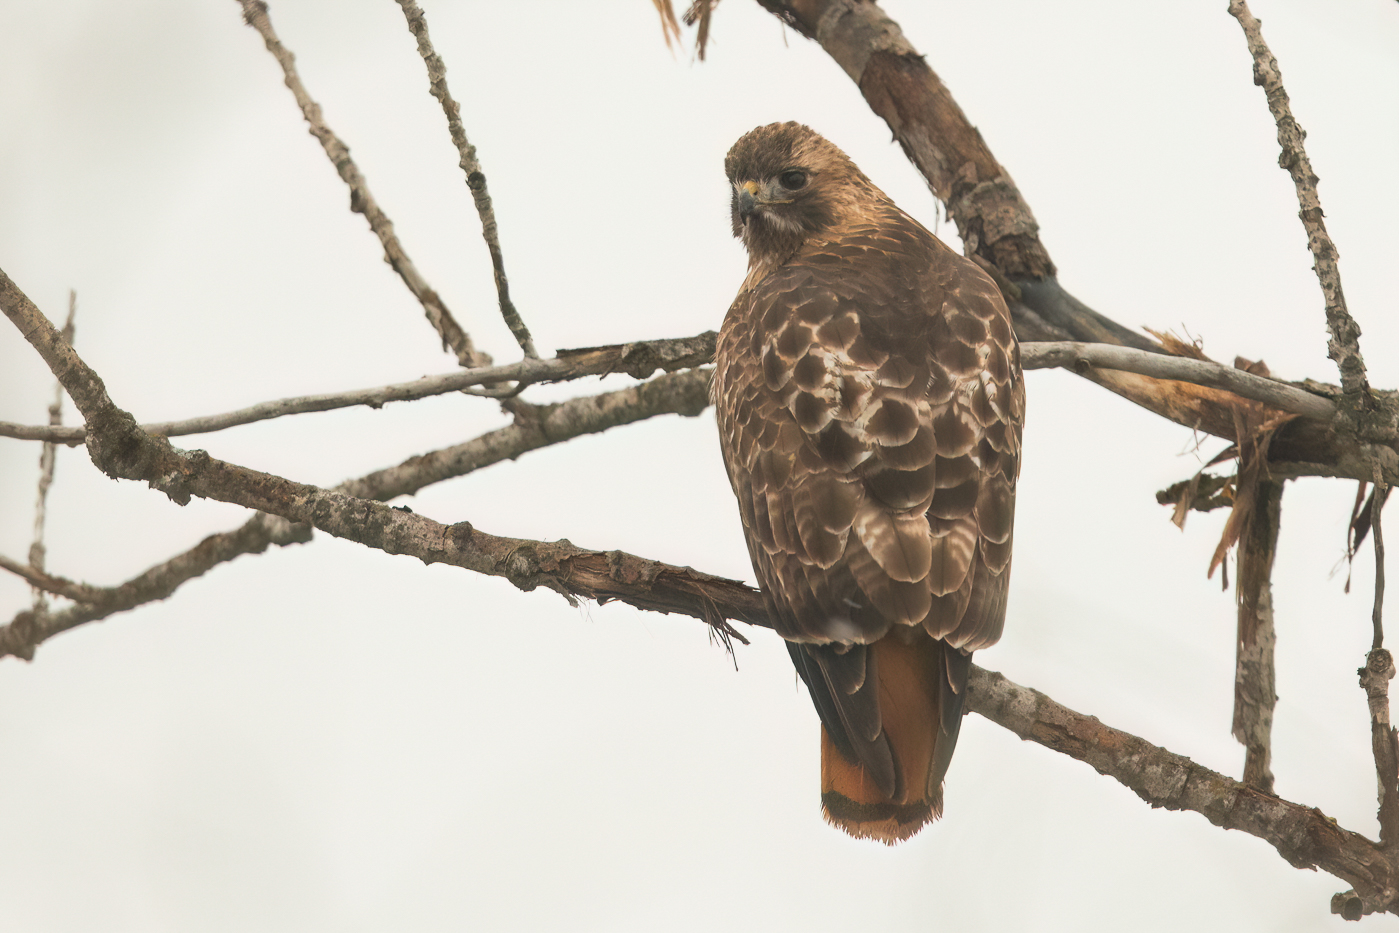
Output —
(1344, 345)
(59, 586)
(1377, 499)
(361, 201)
(639, 360)
(475, 178)
(48, 458)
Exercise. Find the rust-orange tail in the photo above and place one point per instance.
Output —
(920, 685)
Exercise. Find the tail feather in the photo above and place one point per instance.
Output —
(920, 686)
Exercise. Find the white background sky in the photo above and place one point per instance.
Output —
(328, 738)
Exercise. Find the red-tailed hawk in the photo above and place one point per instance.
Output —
(870, 404)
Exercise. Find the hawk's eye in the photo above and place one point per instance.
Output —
(792, 180)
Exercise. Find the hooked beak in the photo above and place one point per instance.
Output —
(746, 199)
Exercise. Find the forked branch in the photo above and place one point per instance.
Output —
(1344, 345)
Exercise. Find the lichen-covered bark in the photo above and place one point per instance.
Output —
(1255, 686)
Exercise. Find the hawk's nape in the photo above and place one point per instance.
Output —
(870, 404)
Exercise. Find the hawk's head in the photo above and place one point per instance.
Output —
(790, 183)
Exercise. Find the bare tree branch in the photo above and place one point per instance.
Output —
(28, 629)
(1319, 451)
(639, 360)
(685, 393)
(475, 178)
(1344, 345)
(120, 448)
(48, 459)
(670, 27)
(1184, 390)
(1304, 836)
(255, 14)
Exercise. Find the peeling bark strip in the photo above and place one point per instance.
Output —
(1305, 837)
(1344, 345)
(361, 201)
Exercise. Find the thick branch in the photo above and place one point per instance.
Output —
(1344, 345)
(1304, 836)
(992, 218)
(120, 449)
(475, 178)
(361, 201)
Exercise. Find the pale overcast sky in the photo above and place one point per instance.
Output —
(326, 738)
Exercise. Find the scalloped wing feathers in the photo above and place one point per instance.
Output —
(870, 405)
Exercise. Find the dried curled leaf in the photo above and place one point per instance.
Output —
(1254, 426)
